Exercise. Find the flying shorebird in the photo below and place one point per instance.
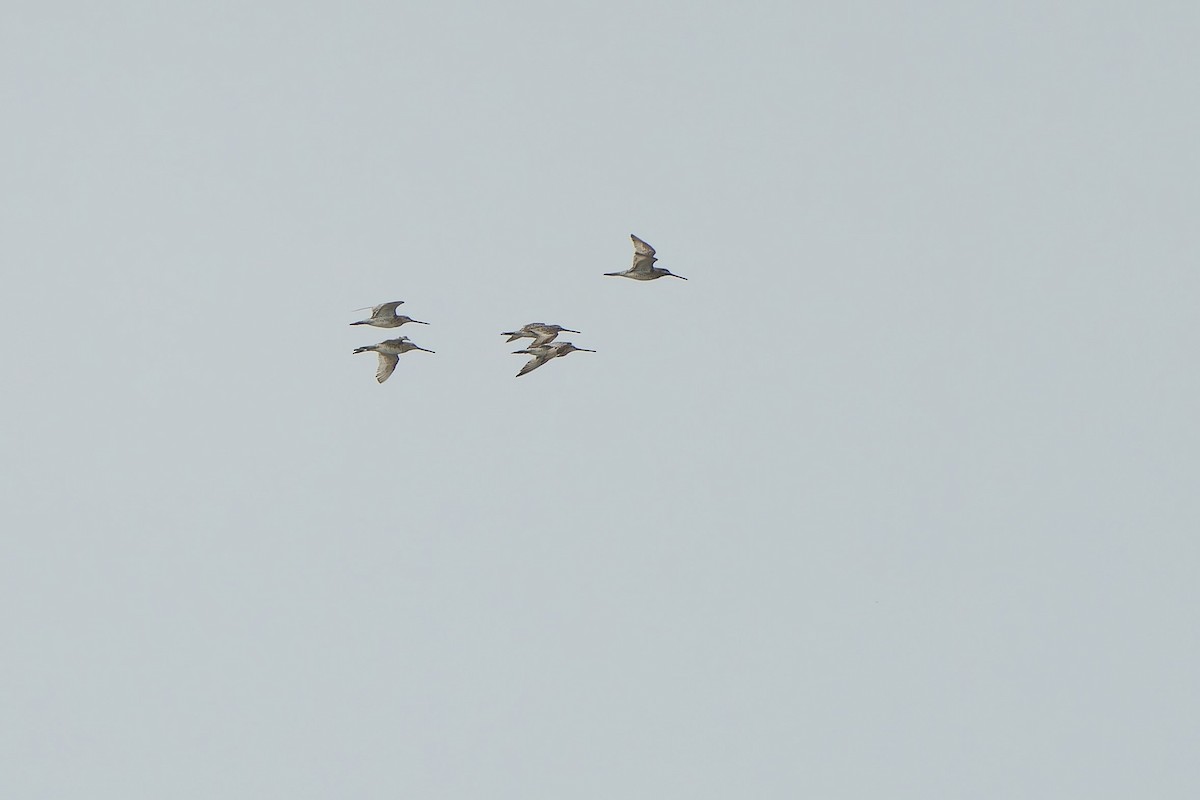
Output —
(540, 332)
(643, 268)
(384, 316)
(544, 352)
(389, 352)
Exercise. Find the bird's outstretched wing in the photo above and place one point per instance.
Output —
(386, 310)
(533, 364)
(543, 336)
(643, 255)
(387, 365)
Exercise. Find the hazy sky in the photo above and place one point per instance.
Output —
(897, 497)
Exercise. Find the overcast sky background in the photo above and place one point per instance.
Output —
(896, 497)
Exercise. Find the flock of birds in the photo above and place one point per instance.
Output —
(543, 348)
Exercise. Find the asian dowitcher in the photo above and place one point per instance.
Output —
(544, 352)
(643, 268)
(389, 352)
(384, 316)
(540, 332)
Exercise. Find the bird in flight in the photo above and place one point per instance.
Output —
(384, 316)
(389, 352)
(643, 268)
(540, 332)
(544, 352)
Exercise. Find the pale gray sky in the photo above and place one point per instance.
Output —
(895, 498)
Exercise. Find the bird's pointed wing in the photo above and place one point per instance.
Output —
(387, 365)
(386, 309)
(643, 255)
(532, 364)
(544, 336)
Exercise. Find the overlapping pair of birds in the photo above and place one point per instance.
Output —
(543, 349)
